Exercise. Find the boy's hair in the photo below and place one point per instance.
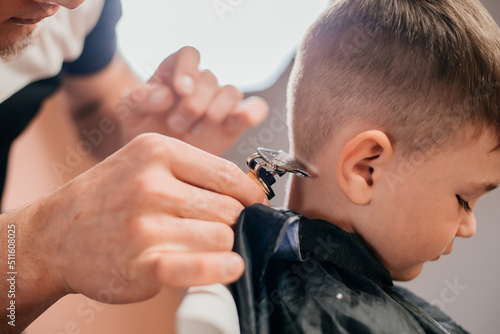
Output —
(419, 70)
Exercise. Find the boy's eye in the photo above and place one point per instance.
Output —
(463, 204)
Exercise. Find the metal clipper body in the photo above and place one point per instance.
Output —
(266, 163)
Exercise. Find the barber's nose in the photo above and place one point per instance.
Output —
(467, 226)
(70, 4)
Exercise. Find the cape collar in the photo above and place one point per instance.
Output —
(345, 250)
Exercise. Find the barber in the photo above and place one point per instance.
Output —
(157, 212)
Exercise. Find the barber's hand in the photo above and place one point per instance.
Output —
(156, 213)
(185, 103)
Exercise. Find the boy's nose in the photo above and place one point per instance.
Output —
(70, 4)
(467, 226)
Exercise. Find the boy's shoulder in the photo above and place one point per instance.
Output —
(309, 276)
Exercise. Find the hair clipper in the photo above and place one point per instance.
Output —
(266, 163)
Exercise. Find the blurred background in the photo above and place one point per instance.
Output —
(249, 44)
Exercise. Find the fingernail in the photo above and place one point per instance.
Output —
(187, 84)
(178, 123)
(157, 97)
(232, 266)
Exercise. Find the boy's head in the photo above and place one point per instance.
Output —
(395, 109)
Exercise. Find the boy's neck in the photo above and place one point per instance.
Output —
(308, 198)
(294, 196)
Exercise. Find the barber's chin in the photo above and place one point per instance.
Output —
(18, 40)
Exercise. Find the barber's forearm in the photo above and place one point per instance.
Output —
(26, 288)
(95, 106)
(100, 132)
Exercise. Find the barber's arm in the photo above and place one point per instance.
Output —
(156, 213)
(179, 101)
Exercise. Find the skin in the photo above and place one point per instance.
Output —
(216, 117)
(158, 212)
(404, 207)
(180, 100)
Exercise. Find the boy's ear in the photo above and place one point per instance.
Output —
(361, 164)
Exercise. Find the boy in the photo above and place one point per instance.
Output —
(394, 107)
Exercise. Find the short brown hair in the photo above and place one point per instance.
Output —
(418, 69)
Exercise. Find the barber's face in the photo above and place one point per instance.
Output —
(19, 20)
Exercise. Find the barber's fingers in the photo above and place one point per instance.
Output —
(180, 71)
(223, 104)
(187, 201)
(250, 112)
(206, 171)
(175, 159)
(170, 234)
(183, 269)
(194, 107)
(181, 199)
(218, 136)
(150, 98)
(186, 72)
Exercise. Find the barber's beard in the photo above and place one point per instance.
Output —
(13, 46)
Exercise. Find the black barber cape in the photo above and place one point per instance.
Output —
(309, 276)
